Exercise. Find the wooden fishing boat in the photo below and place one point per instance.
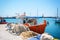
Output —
(32, 24)
(37, 28)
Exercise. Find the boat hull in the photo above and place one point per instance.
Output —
(38, 28)
(3, 22)
(57, 21)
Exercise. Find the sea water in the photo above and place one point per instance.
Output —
(52, 28)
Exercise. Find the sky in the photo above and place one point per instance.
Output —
(30, 7)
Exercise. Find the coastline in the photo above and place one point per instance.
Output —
(26, 17)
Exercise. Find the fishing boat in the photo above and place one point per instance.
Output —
(57, 18)
(37, 28)
(31, 23)
(2, 21)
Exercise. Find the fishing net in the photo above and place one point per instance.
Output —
(28, 34)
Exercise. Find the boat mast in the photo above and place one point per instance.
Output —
(30, 14)
(57, 12)
(37, 12)
(43, 15)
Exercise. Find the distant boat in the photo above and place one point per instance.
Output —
(21, 16)
(2, 21)
(57, 18)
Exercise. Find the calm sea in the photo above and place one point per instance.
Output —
(51, 28)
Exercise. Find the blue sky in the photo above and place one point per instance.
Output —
(46, 7)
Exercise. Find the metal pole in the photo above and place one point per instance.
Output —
(37, 12)
(57, 12)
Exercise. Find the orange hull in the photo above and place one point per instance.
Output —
(38, 28)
